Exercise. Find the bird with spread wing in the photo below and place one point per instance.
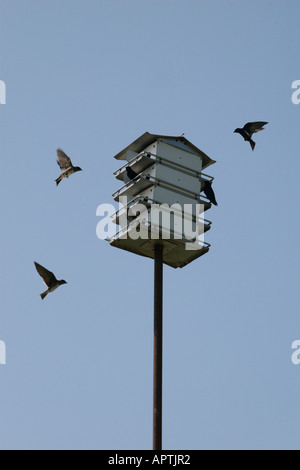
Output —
(65, 165)
(249, 129)
(49, 280)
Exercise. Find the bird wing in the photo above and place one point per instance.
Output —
(47, 276)
(63, 160)
(254, 126)
(130, 172)
(209, 192)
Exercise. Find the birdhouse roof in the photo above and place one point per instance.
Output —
(147, 139)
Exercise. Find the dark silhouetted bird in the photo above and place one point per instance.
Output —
(65, 165)
(49, 279)
(249, 129)
(208, 191)
(130, 173)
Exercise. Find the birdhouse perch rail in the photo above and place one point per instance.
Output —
(160, 159)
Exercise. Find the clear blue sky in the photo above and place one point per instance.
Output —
(90, 77)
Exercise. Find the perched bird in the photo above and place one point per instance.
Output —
(249, 129)
(208, 191)
(49, 280)
(65, 165)
(130, 173)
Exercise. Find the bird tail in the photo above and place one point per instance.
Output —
(43, 295)
(58, 180)
(252, 143)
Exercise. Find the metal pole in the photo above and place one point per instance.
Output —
(157, 347)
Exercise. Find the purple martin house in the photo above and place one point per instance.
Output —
(160, 199)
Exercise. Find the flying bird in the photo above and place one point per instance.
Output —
(49, 280)
(206, 187)
(65, 165)
(130, 173)
(249, 129)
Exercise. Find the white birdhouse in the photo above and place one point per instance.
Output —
(160, 199)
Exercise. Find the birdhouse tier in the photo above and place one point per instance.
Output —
(132, 210)
(175, 252)
(153, 143)
(160, 197)
(157, 180)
